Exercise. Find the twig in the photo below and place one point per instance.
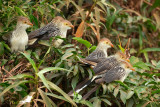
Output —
(151, 4)
(128, 42)
(6, 71)
(17, 66)
(119, 41)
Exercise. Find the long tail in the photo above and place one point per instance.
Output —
(85, 84)
(81, 86)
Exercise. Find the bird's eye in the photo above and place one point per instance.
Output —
(66, 23)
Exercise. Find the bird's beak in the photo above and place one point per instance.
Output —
(71, 26)
(127, 60)
(111, 44)
(133, 69)
(29, 23)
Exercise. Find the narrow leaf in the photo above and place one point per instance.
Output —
(85, 42)
(12, 86)
(80, 29)
(55, 87)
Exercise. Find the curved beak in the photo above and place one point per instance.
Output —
(127, 60)
(29, 23)
(133, 69)
(111, 44)
(71, 26)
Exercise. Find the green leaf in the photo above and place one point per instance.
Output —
(74, 81)
(92, 48)
(66, 55)
(20, 11)
(121, 83)
(45, 98)
(84, 42)
(33, 18)
(140, 38)
(3, 61)
(116, 90)
(55, 87)
(6, 46)
(122, 49)
(52, 69)
(141, 65)
(1, 49)
(156, 4)
(107, 102)
(12, 86)
(89, 104)
(155, 92)
(150, 50)
(30, 60)
(56, 96)
(140, 90)
(19, 76)
(97, 102)
(43, 79)
(123, 96)
(129, 94)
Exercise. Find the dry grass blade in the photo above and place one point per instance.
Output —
(132, 11)
(16, 67)
(97, 16)
(94, 30)
(119, 41)
(157, 18)
(80, 29)
(79, 9)
(127, 45)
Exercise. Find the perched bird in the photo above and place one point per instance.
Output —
(19, 37)
(119, 72)
(98, 54)
(110, 62)
(57, 27)
(102, 67)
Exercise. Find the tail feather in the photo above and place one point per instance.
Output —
(84, 86)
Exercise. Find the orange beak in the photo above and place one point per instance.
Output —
(111, 44)
(29, 23)
(71, 26)
(133, 69)
(127, 60)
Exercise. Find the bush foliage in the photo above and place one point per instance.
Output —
(47, 73)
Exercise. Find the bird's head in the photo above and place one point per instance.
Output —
(127, 66)
(62, 23)
(122, 56)
(105, 43)
(23, 22)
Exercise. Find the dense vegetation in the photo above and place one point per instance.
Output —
(49, 73)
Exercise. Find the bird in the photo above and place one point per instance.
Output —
(102, 67)
(57, 27)
(110, 62)
(119, 72)
(19, 37)
(98, 54)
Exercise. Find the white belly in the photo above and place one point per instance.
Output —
(19, 41)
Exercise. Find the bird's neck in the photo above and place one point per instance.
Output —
(20, 27)
(103, 48)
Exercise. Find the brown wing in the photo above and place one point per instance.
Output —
(50, 30)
